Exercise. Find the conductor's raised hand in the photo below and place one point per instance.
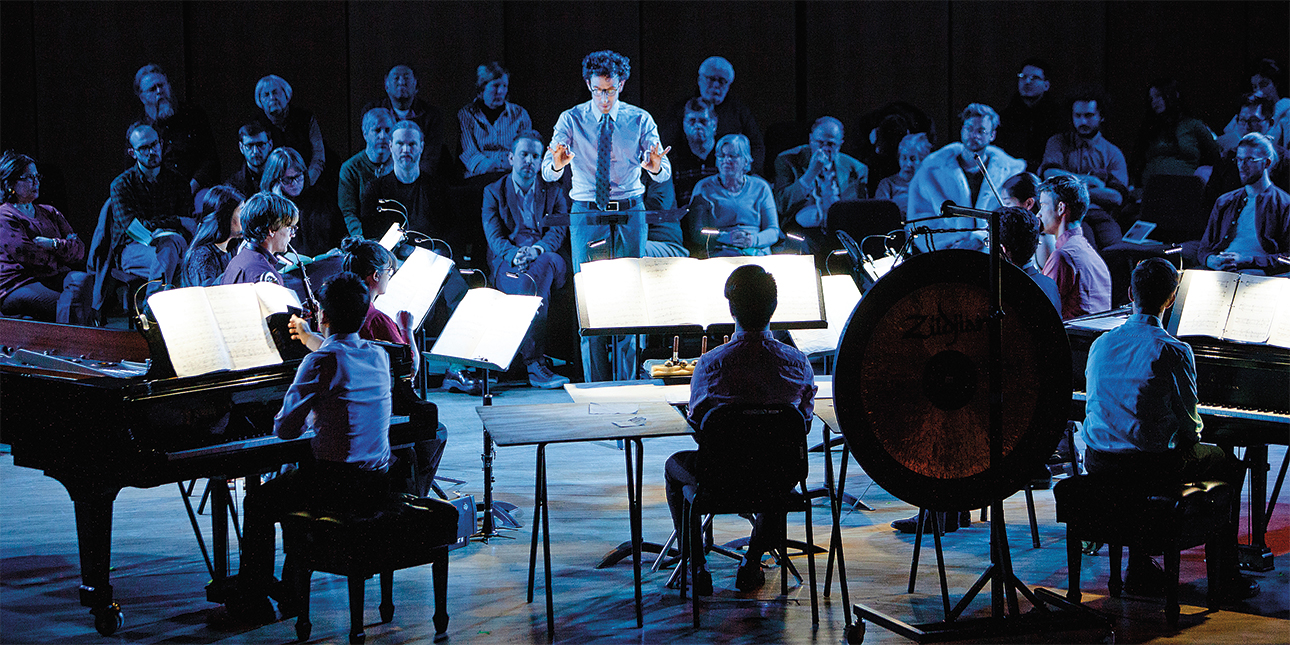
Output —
(561, 155)
(654, 159)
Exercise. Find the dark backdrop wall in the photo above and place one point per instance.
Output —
(66, 67)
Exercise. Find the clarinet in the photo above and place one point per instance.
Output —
(311, 306)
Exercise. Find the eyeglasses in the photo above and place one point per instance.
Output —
(35, 179)
(725, 157)
(291, 230)
(1250, 121)
(386, 272)
(293, 179)
(716, 80)
(1248, 161)
(1029, 78)
(155, 145)
(609, 93)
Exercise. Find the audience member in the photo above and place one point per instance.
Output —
(359, 170)
(716, 74)
(255, 145)
(1254, 116)
(38, 252)
(268, 224)
(408, 187)
(290, 126)
(590, 137)
(913, 149)
(739, 207)
(883, 157)
(952, 174)
(696, 159)
(1171, 142)
(188, 148)
(1032, 116)
(1087, 155)
(208, 256)
(1022, 191)
(812, 177)
(342, 392)
(318, 230)
(1142, 426)
(1081, 276)
(752, 369)
(523, 252)
(1267, 80)
(1018, 237)
(155, 196)
(1249, 229)
(489, 124)
(402, 101)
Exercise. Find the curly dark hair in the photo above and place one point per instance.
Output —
(609, 64)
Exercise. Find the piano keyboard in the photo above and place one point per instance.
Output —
(1219, 411)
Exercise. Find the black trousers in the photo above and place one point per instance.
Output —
(767, 528)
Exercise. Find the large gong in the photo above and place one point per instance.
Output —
(911, 386)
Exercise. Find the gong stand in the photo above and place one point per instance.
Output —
(1003, 620)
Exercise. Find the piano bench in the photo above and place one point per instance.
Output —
(407, 532)
(1099, 508)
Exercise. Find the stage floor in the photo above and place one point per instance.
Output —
(159, 576)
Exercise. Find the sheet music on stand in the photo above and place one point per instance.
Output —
(415, 286)
(841, 295)
(686, 295)
(1233, 307)
(224, 327)
(486, 329)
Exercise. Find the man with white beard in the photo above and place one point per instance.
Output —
(188, 146)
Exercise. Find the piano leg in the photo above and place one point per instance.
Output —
(94, 535)
(1256, 556)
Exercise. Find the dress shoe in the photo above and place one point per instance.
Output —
(702, 583)
(750, 577)
(1145, 578)
(462, 381)
(949, 524)
(1239, 587)
(541, 377)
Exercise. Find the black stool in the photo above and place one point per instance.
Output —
(1100, 508)
(406, 532)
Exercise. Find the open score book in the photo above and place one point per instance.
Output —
(208, 329)
(1232, 306)
(638, 295)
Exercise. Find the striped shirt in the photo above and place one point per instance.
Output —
(485, 147)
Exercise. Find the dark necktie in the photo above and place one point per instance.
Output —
(603, 153)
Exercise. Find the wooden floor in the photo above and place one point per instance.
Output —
(159, 574)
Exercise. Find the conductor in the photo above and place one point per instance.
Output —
(606, 142)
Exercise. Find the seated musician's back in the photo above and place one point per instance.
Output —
(342, 392)
(1142, 422)
(752, 369)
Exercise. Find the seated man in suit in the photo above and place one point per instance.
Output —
(342, 392)
(753, 368)
(1141, 422)
(523, 254)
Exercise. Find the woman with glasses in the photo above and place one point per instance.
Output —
(268, 224)
(733, 213)
(38, 251)
(207, 257)
(320, 229)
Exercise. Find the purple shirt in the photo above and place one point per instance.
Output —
(1081, 276)
(752, 369)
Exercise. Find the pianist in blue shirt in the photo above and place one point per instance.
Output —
(1142, 422)
(342, 392)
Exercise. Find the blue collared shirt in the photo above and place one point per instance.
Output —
(1141, 390)
(342, 392)
(635, 133)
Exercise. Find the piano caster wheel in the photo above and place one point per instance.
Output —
(357, 639)
(387, 612)
(108, 619)
(855, 633)
(303, 629)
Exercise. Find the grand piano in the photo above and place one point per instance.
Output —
(1244, 392)
(92, 410)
